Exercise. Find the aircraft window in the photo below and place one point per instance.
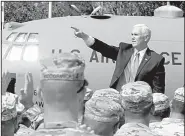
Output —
(15, 52)
(33, 38)
(4, 48)
(21, 37)
(31, 53)
(11, 37)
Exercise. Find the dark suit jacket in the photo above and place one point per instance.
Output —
(151, 69)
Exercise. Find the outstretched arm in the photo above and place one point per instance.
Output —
(97, 45)
(105, 49)
(159, 78)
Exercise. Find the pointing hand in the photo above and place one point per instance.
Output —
(78, 33)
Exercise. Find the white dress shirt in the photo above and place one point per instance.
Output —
(129, 77)
(141, 54)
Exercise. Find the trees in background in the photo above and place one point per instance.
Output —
(27, 11)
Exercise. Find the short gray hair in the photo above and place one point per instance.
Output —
(145, 30)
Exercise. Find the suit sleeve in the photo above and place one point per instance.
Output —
(159, 78)
(105, 49)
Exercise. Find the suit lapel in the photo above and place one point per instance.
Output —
(145, 59)
(127, 55)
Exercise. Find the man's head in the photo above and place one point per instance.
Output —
(11, 111)
(161, 106)
(140, 36)
(177, 103)
(137, 99)
(62, 77)
(103, 111)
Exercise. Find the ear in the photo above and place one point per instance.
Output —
(147, 38)
(116, 127)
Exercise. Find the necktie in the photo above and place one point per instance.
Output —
(130, 71)
(135, 65)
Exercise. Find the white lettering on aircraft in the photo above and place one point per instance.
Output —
(170, 57)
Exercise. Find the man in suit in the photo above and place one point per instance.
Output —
(134, 62)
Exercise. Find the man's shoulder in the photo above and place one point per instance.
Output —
(62, 132)
(156, 55)
(125, 46)
(166, 127)
(24, 131)
(172, 122)
(135, 129)
(154, 124)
